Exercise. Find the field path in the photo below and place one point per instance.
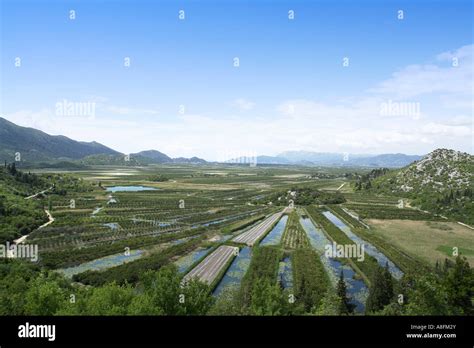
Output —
(39, 193)
(23, 238)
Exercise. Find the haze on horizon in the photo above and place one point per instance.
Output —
(338, 77)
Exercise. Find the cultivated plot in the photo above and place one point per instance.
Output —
(255, 233)
(211, 266)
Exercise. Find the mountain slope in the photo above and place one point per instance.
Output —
(154, 156)
(441, 182)
(19, 216)
(35, 145)
(439, 171)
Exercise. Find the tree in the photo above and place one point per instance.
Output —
(164, 290)
(381, 291)
(15, 276)
(110, 299)
(459, 282)
(197, 298)
(44, 296)
(142, 304)
(428, 297)
(331, 304)
(3, 211)
(170, 297)
(228, 302)
(345, 307)
(12, 168)
(266, 299)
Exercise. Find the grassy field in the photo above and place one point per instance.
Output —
(426, 240)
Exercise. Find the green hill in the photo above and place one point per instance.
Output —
(35, 145)
(441, 182)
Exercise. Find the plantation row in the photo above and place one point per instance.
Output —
(294, 236)
(263, 268)
(129, 273)
(310, 280)
(126, 224)
(368, 267)
(341, 213)
(357, 197)
(390, 212)
(73, 257)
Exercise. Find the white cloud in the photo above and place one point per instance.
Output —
(460, 53)
(243, 104)
(444, 129)
(417, 80)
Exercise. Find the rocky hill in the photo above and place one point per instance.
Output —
(442, 182)
(439, 171)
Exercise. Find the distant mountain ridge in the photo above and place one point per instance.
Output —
(36, 146)
(325, 159)
(158, 157)
(153, 155)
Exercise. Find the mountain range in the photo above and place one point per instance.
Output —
(33, 145)
(339, 159)
(36, 146)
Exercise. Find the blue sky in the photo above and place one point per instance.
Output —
(290, 92)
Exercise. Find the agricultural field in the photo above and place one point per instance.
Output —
(427, 240)
(208, 270)
(251, 238)
(294, 236)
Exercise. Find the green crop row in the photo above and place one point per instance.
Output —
(294, 236)
(130, 272)
(310, 280)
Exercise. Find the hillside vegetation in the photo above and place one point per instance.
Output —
(441, 182)
(34, 145)
(19, 216)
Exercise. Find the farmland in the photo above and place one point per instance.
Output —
(294, 236)
(429, 241)
(208, 270)
(241, 236)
